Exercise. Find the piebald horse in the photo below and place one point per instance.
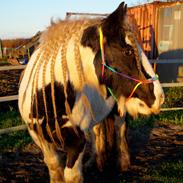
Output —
(80, 73)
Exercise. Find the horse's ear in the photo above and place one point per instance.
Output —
(110, 26)
(115, 20)
(90, 38)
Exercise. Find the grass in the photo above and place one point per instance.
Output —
(3, 63)
(14, 140)
(21, 138)
(168, 172)
(173, 97)
(173, 117)
(9, 119)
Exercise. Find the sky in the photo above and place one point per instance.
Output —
(24, 18)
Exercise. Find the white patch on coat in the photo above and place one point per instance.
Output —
(72, 73)
(67, 124)
(58, 68)
(25, 105)
(90, 108)
(121, 106)
(74, 174)
(87, 57)
(128, 41)
(158, 91)
(135, 105)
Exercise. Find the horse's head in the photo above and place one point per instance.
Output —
(128, 74)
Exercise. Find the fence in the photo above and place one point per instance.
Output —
(15, 97)
(167, 61)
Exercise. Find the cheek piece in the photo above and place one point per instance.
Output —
(139, 82)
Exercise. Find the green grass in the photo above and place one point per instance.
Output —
(14, 140)
(173, 117)
(21, 138)
(3, 63)
(173, 97)
(9, 119)
(168, 172)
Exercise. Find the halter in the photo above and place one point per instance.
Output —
(139, 82)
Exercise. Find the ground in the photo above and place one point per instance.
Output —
(9, 82)
(156, 151)
(151, 147)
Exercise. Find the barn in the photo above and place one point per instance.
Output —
(160, 25)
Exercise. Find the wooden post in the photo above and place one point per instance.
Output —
(28, 52)
(1, 49)
(13, 129)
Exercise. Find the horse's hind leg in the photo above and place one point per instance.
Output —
(53, 158)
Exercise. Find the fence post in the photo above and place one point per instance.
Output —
(1, 49)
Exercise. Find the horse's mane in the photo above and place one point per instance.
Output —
(57, 37)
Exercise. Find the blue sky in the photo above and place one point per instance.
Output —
(23, 18)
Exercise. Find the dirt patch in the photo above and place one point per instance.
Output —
(9, 82)
(149, 146)
(23, 166)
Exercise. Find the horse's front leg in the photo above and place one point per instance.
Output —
(74, 174)
(103, 141)
(122, 145)
(99, 145)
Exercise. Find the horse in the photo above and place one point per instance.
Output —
(81, 71)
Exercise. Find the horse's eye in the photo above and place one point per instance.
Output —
(128, 52)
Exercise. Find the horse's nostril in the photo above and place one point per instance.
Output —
(156, 111)
(141, 104)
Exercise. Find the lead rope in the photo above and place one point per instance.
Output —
(139, 82)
